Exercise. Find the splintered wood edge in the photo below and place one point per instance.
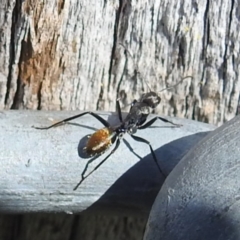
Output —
(40, 168)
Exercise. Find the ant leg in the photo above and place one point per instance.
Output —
(139, 139)
(131, 149)
(119, 110)
(84, 177)
(83, 172)
(149, 123)
(103, 121)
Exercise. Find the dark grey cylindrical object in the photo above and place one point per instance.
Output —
(200, 198)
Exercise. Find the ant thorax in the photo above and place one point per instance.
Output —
(136, 117)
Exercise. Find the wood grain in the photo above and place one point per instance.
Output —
(41, 167)
(66, 55)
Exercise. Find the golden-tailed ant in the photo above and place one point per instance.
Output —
(101, 140)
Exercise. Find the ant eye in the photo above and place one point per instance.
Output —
(133, 102)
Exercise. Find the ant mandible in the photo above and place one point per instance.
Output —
(101, 140)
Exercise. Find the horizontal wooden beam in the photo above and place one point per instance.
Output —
(40, 168)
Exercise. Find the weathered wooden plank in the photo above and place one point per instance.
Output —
(65, 55)
(45, 226)
(41, 167)
(61, 226)
(6, 47)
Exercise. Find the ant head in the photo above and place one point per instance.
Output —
(151, 99)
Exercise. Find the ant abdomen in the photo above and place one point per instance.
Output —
(99, 141)
(151, 99)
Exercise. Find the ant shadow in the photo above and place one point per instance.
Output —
(135, 191)
(137, 188)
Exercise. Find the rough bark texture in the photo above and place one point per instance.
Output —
(66, 55)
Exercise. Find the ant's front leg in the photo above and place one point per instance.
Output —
(119, 111)
(149, 123)
(99, 118)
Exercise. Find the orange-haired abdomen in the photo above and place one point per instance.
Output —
(99, 142)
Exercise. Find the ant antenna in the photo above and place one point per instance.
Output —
(173, 86)
(137, 72)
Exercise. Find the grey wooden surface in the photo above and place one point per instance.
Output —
(40, 167)
(65, 55)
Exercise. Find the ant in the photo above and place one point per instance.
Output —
(101, 140)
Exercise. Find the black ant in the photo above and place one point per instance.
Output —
(100, 141)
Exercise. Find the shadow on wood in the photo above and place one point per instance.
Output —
(137, 188)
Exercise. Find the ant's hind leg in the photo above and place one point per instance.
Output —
(85, 169)
(83, 172)
(99, 118)
(149, 123)
(139, 139)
